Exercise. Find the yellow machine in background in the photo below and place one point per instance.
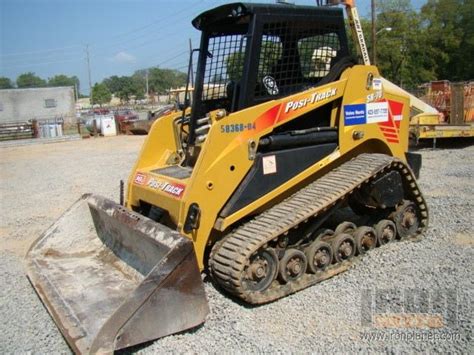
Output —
(291, 164)
(452, 115)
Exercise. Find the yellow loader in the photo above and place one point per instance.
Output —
(286, 134)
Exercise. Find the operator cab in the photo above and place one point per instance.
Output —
(252, 53)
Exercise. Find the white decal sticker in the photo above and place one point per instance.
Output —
(271, 85)
(377, 112)
(374, 96)
(140, 179)
(269, 165)
(377, 84)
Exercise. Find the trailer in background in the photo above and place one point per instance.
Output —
(455, 104)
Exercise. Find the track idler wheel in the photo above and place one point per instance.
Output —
(261, 271)
(365, 239)
(386, 231)
(319, 255)
(345, 227)
(406, 219)
(343, 246)
(292, 265)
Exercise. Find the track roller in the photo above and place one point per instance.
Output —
(386, 231)
(365, 239)
(345, 227)
(343, 246)
(319, 255)
(261, 271)
(292, 265)
(406, 219)
(325, 235)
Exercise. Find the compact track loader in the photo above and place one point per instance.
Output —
(290, 165)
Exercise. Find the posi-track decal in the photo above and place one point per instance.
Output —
(171, 188)
(312, 99)
(281, 112)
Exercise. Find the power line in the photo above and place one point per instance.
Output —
(156, 21)
(160, 21)
(39, 51)
(78, 47)
(42, 63)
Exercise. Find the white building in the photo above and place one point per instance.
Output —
(20, 105)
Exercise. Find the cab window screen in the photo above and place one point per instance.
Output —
(224, 63)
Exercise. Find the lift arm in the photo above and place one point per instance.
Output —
(356, 27)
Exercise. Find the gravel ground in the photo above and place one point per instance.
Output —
(38, 182)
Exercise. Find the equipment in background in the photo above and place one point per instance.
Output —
(455, 104)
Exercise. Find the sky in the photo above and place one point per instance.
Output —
(50, 37)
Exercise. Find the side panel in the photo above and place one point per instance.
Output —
(373, 113)
(159, 145)
(272, 170)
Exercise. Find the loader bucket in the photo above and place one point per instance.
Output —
(112, 278)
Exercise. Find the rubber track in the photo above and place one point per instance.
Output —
(230, 255)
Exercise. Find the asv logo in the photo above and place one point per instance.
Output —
(140, 179)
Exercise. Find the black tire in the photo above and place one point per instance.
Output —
(343, 247)
(386, 231)
(319, 256)
(365, 239)
(292, 265)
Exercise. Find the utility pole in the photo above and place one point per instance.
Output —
(89, 73)
(146, 82)
(191, 76)
(76, 94)
(374, 35)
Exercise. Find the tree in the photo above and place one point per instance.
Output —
(125, 87)
(30, 80)
(5, 83)
(161, 80)
(64, 80)
(404, 55)
(100, 94)
(114, 83)
(450, 28)
(270, 53)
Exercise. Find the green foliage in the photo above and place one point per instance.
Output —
(269, 55)
(6, 83)
(450, 29)
(100, 94)
(161, 80)
(435, 43)
(64, 80)
(124, 87)
(30, 80)
(234, 66)
(401, 53)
